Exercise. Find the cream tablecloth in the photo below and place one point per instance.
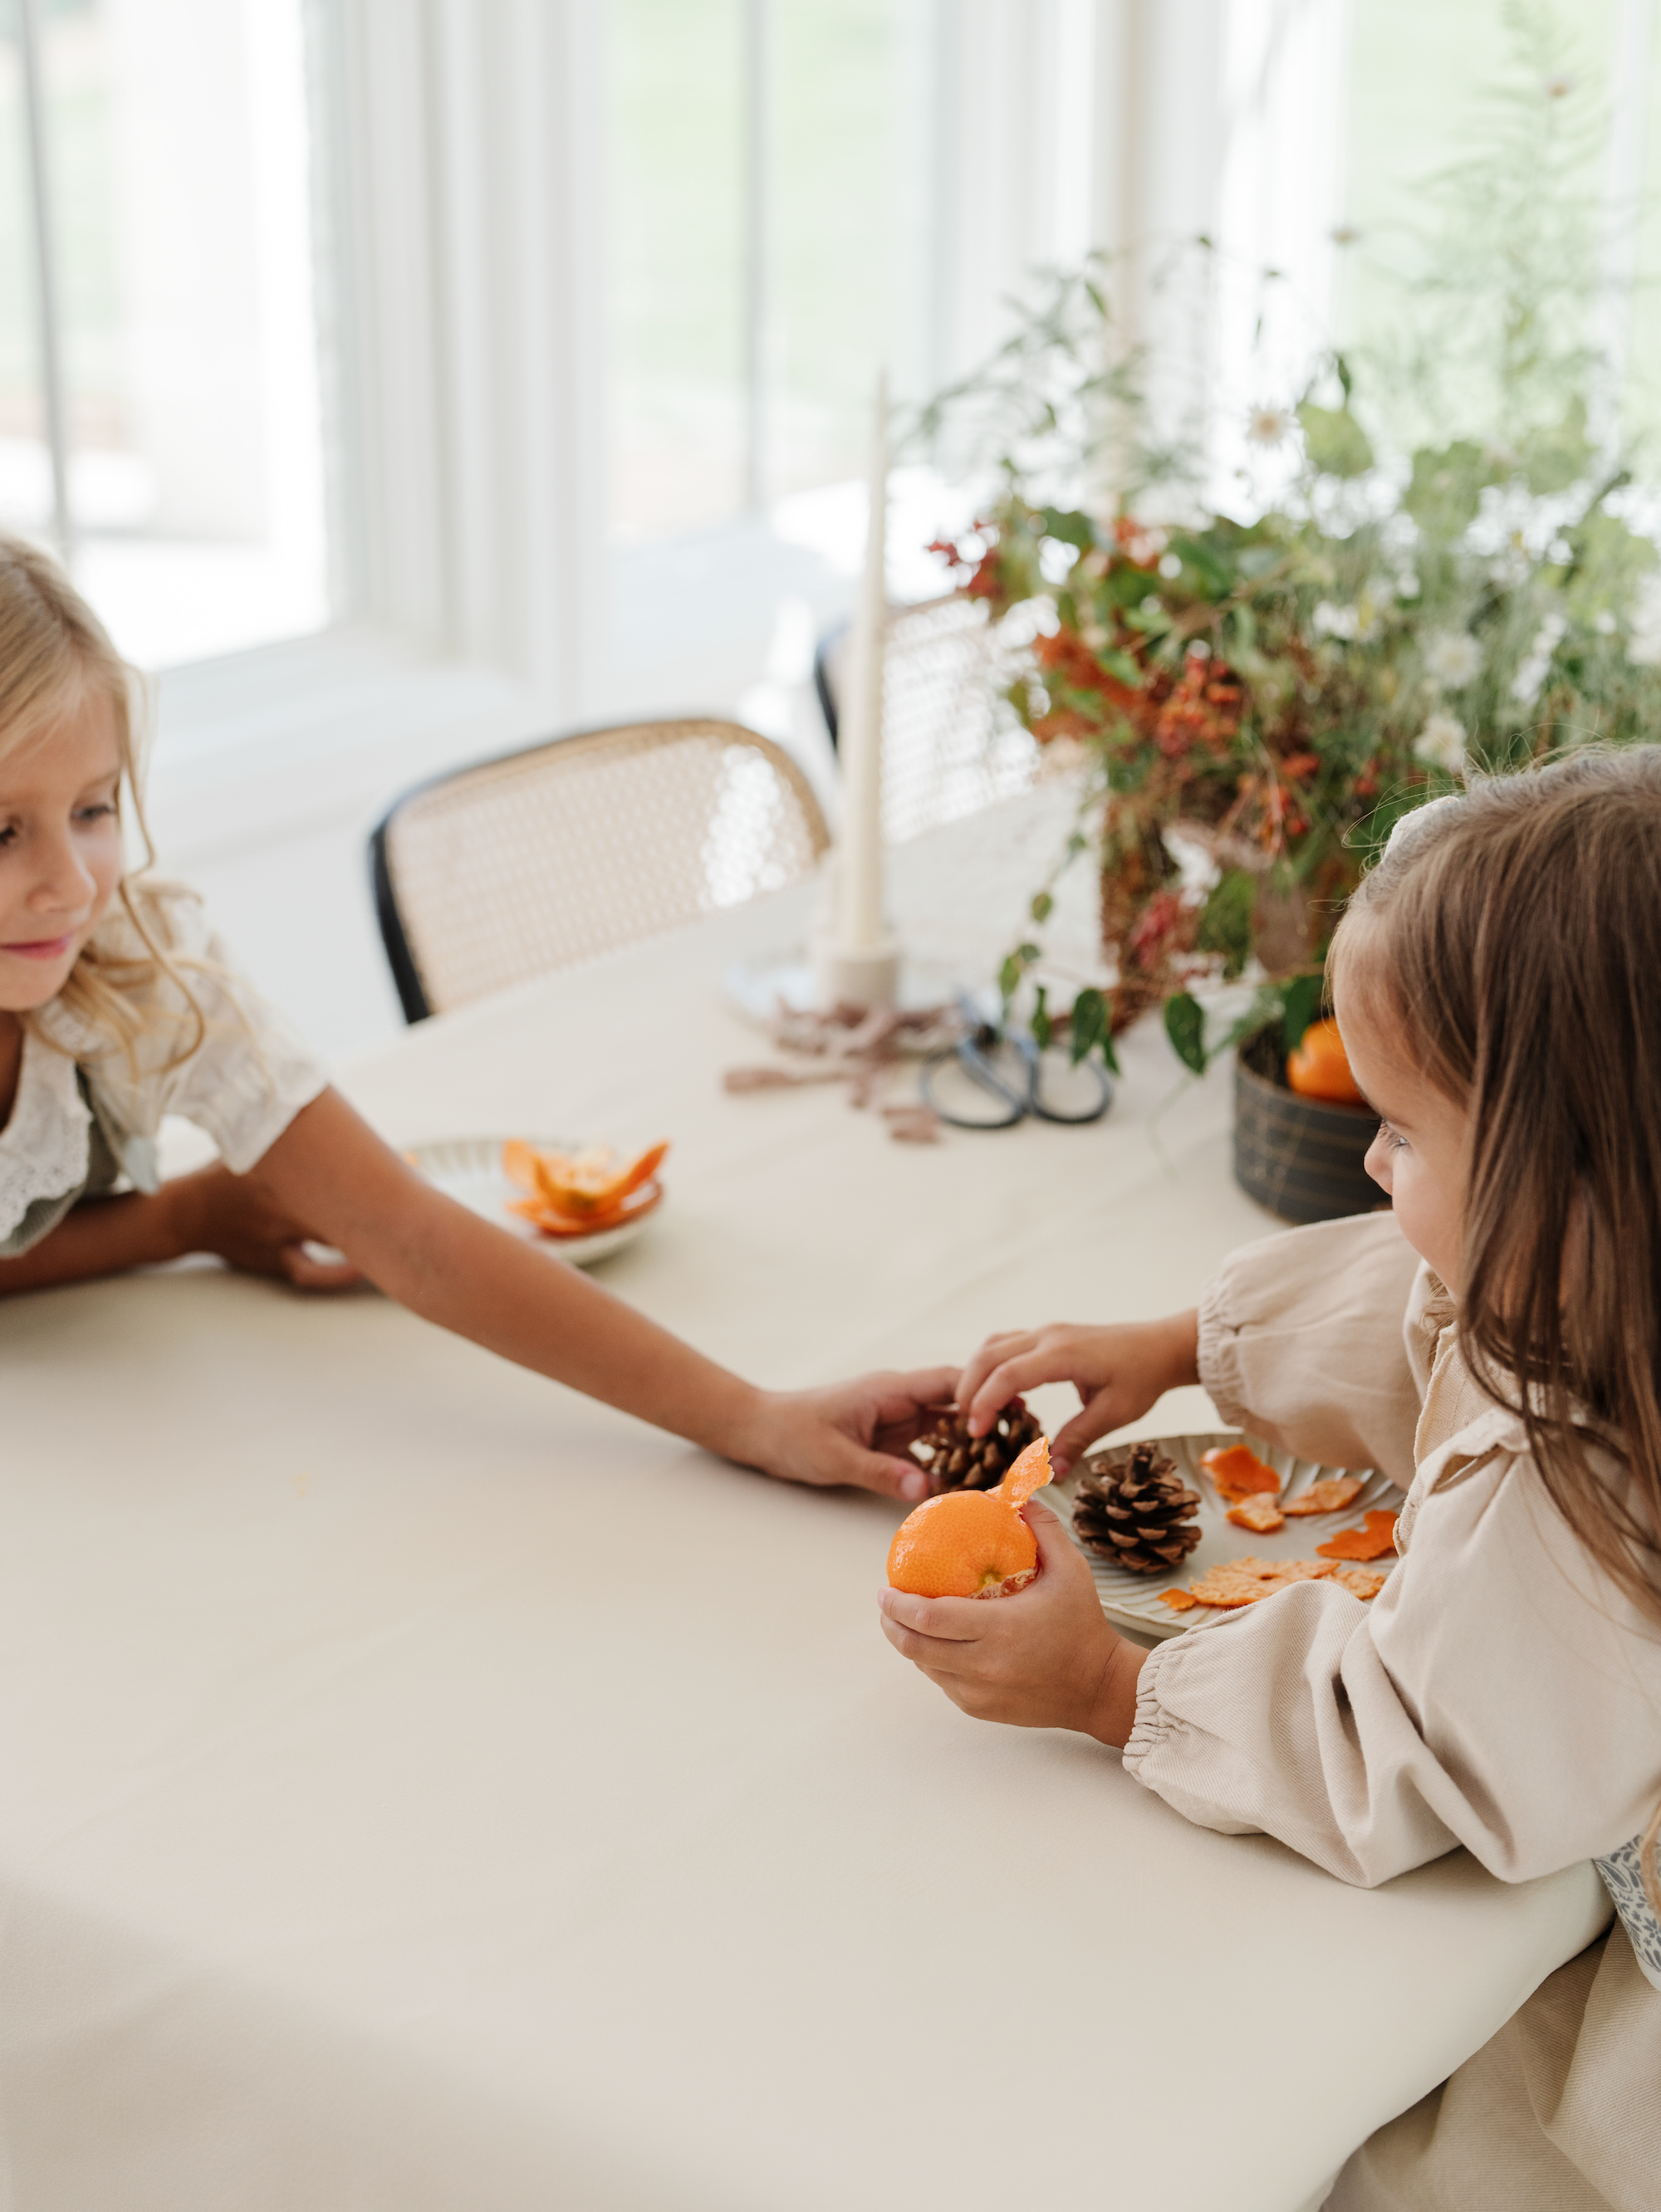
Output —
(422, 1788)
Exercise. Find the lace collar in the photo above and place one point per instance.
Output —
(44, 1146)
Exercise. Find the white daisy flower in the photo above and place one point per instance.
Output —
(1532, 669)
(1644, 646)
(1329, 620)
(1441, 744)
(1452, 658)
(1268, 426)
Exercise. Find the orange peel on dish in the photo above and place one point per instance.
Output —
(579, 1194)
(1232, 1583)
(1236, 1472)
(1371, 1541)
(1259, 1513)
(972, 1543)
(1330, 1495)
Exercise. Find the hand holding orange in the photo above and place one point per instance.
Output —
(972, 1543)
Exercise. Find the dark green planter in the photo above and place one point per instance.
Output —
(1298, 1157)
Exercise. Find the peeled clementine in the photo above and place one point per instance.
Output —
(1319, 1068)
(972, 1543)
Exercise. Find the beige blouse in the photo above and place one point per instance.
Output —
(1499, 1692)
(86, 1117)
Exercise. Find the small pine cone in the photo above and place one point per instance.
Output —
(1136, 1510)
(957, 1461)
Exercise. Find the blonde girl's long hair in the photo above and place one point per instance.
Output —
(53, 653)
(1514, 940)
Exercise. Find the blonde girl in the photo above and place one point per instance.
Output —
(1494, 1343)
(119, 1005)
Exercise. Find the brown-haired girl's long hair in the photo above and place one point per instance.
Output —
(53, 651)
(1515, 937)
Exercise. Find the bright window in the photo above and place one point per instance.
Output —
(159, 390)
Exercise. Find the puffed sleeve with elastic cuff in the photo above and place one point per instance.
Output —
(1301, 1343)
(1499, 1692)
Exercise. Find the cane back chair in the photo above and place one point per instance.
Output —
(503, 871)
(945, 753)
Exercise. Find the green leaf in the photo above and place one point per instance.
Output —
(1447, 484)
(1010, 974)
(1042, 1028)
(1556, 458)
(1090, 1025)
(1211, 563)
(1071, 529)
(1226, 921)
(1336, 442)
(1042, 907)
(1300, 1003)
(1185, 1025)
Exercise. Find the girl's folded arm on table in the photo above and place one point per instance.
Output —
(1499, 1692)
(1301, 1343)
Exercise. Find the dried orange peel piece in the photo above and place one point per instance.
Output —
(1262, 1514)
(1235, 1582)
(1238, 1471)
(1371, 1541)
(1330, 1495)
(552, 1223)
(581, 1184)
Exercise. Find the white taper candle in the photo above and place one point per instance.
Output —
(859, 921)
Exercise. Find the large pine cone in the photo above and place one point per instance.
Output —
(957, 1461)
(1136, 1510)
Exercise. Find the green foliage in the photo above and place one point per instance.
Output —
(1337, 444)
(1446, 489)
(1185, 1025)
(1450, 580)
(1092, 1030)
(1226, 921)
(1301, 1004)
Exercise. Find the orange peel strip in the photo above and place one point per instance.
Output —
(552, 1223)
(1371, 1541)
(1030, 1472)
(1260, 1513)
(1330, 1495)
(1361, 1581)
(587, 1185)
(1236, 1471)
(1179, 1600)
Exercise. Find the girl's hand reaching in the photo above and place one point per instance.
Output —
(1118, 1373)
(1043, 1658)
(852, 1433)
(240, 1220)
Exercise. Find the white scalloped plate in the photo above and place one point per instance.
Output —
(470, 1171)
(1133, 1600)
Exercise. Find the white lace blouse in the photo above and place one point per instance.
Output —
(85, 1116)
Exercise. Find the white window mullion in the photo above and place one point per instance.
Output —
(45, 264)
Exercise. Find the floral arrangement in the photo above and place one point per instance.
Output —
(1259, 695)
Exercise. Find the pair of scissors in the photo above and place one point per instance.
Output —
(984, 1054)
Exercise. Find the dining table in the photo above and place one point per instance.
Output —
(425, 1789)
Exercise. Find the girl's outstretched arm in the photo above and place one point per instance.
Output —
(330, 1172)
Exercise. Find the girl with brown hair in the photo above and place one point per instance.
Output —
(119, 1005)
(1494, 1343)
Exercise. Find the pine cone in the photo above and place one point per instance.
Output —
(1136, 1510)
(957, 1461)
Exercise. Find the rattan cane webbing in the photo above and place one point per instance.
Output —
(508, 870)
(947, 751)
